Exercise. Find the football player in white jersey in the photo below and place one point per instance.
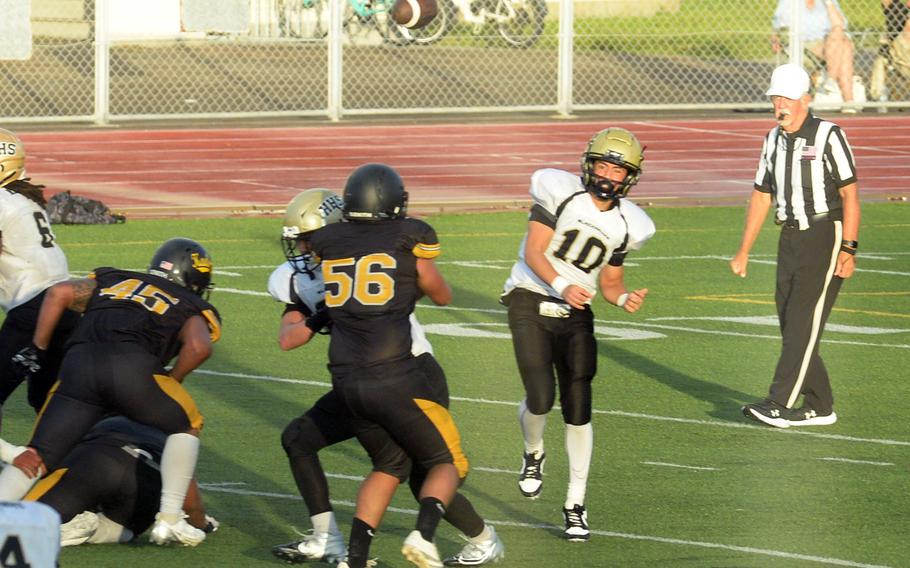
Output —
(579, 231)
(30, 263)
(298, 283)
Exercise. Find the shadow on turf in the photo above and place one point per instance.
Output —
(727, 402)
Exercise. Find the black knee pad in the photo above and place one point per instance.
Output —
(576, 403)
(301, 438)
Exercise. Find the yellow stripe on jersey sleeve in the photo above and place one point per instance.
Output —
(422, 250)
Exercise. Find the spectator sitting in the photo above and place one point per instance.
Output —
(824, 35)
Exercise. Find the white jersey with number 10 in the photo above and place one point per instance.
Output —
(584, 239)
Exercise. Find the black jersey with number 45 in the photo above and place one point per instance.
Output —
(144, 309)
(370, 272)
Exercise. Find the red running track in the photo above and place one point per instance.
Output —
(196, 171)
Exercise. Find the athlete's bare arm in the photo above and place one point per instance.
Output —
(294, 331)
(69, 295)
(195, 348)
(431, 282)
(613, 289)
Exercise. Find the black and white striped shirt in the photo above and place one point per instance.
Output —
(805, 170)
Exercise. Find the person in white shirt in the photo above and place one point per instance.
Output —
(31, 261)
(579, 231)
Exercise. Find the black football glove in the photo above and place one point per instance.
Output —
(28, 361)
(320, 322)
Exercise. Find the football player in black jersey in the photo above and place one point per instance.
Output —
(298, 284)
(133, 324)
(107, 489)
(376, 266)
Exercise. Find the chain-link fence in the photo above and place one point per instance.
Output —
(344, 57)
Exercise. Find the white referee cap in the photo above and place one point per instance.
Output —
(790, 81)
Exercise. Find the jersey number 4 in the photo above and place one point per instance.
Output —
(362, 279)
(12, 555)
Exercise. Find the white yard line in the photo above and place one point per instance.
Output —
(620, 413)
(222, 488)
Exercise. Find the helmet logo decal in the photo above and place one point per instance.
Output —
(166, 265)
(331, 204)
(201, 263)
(8, 148)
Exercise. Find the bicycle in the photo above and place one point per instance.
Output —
(518, 22)
(310, 19)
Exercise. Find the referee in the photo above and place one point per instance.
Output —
(807, 169)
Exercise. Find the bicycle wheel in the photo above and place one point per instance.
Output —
(520, 22)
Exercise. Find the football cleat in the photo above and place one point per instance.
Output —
(180, 532)
(79, 529)
(314, 547)
(489, 551)
(576, 524)
(530, 480)
(419, 552)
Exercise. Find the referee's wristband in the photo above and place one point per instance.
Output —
(851, 244)
(848, 250)
(559, 284)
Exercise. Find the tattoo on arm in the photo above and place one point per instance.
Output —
(82, 293)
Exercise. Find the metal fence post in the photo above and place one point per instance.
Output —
(335, 61)
(102, 63)
(566, 45)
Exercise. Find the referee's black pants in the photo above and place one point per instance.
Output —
(806, 291)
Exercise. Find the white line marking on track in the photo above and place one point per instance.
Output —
(680, 466)
(610, 534)
(861, 462)
(620, 413)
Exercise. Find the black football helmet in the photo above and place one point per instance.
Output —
(184, 262)
(374, 192)
(616, 146)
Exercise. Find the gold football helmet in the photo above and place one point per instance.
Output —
(617, 146)
(12, 157)
(310, 210)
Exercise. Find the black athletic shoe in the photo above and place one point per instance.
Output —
(768, 412)
(807, 416)
(576, 524)
(530, 481)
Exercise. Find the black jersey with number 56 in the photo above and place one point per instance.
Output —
(144, 309)
(370, 272)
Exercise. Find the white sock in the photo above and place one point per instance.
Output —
(532, 428)
(484, 535)
(325, 523)
(579, 447)
(14, 484)
(110, 532)
(178, 464)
